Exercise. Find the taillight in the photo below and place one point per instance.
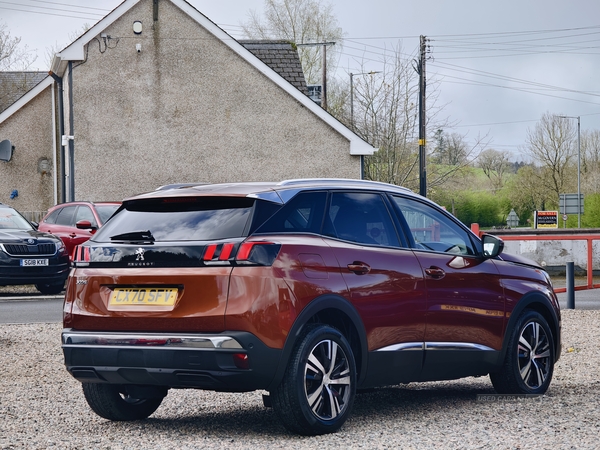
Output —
(261, 253)
(81, 254)
(219, 252)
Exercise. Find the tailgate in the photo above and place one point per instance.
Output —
(181, 299)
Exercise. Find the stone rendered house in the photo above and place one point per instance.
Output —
(156, 93)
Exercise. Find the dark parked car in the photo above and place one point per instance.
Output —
(76, 222)
(308, 289)
(28, 256)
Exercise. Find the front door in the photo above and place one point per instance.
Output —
(465, 298)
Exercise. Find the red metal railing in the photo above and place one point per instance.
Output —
(589, 238)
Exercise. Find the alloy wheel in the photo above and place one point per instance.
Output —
(534, 354)
(327, 380)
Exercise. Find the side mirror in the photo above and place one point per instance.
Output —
(85, 225)
(492, 246)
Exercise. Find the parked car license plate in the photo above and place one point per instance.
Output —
(143, 296)
(34, 262)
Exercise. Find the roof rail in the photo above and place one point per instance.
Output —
(346, 181)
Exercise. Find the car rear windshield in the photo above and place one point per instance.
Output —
(187, 218)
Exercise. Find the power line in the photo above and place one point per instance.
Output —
(50, 14)
(66, 4)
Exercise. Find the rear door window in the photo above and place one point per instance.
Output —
(66, 215)
(360, 217)
(53, 216)
(182, 219)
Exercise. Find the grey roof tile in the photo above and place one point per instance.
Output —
(281, 57)
(13, 85)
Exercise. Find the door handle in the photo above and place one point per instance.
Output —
(359, 268)
(435, 272)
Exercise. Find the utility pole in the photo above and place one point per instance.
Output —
(324, 79)
(422, 117)
(323, 71)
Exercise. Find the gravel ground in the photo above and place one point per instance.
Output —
(41, 406)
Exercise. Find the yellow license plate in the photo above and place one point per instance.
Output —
(143, 296)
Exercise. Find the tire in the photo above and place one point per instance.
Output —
(113, 403)
(50, 289)
(529, 362)
(316, 395)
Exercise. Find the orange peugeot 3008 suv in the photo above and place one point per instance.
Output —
(307, 289)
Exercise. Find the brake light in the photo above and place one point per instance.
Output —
(81, 254)
(246, 248)
(261, 253)
(209, 253)
(258, 252)
(226, 251)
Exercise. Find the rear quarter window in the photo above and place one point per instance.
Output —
(302, 214)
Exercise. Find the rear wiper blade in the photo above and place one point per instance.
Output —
(145, 236)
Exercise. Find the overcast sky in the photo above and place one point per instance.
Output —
(497, 66)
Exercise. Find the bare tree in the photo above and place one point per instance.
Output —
(299, 22)
(495, 164)
(527, 194)
(56, 47)
(13, 58)
(552, 144)
(385, 115)
(451, 150)
(590, 161)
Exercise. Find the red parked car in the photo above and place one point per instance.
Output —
(308, 289)
(76, 222)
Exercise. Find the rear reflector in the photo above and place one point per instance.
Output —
(241, 360)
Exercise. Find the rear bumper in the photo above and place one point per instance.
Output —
(172, 360)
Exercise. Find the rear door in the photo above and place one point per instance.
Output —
(385, 283)
(63, 226)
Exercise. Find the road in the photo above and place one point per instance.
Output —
(21, 308)
(29, 309)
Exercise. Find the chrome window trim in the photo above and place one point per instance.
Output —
(76, 339)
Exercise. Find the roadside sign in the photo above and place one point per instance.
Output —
(567, 203)
(565, 217)
(546, 219)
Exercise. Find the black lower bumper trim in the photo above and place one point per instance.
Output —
(202, 368)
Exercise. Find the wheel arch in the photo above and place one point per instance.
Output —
(535, 301)
(334, 311)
